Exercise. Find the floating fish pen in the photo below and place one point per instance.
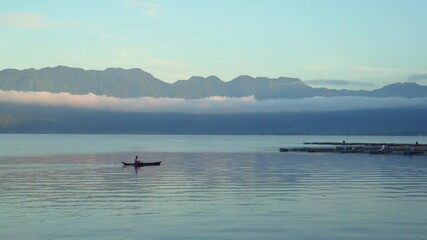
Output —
(370, 148)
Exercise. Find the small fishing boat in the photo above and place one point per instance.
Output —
(142, 164)
(383, 150)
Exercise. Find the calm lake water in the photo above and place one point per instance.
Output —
(208, 187)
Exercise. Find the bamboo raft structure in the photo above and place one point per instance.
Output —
(360, 147)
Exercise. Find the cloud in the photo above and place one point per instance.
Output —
(338, 82)
(417, 77)
(30, 21)
(149, 9)
(324, 67)
(374, 69)
(215, 104)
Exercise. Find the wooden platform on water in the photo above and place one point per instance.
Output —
(360, 147)
(365, 144)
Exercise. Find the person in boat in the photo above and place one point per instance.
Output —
(136, 161)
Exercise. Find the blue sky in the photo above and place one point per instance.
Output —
(371, 42)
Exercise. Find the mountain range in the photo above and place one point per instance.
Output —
(131, 83)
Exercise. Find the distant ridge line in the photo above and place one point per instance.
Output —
(134, 82)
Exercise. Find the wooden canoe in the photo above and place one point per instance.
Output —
(142, 164)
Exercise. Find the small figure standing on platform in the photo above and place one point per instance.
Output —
(136, 160)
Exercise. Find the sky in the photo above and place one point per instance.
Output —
(342, 44)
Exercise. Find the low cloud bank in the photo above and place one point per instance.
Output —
(417, 77)
(206, 105)
(336, 82)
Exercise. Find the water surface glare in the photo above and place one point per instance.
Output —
(214, 195)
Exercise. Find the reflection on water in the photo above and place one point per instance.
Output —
(214, 196)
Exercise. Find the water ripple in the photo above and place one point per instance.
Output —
(272, 187)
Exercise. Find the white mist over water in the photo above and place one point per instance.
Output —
(215, 104)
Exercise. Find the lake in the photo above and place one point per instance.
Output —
(208, 187)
